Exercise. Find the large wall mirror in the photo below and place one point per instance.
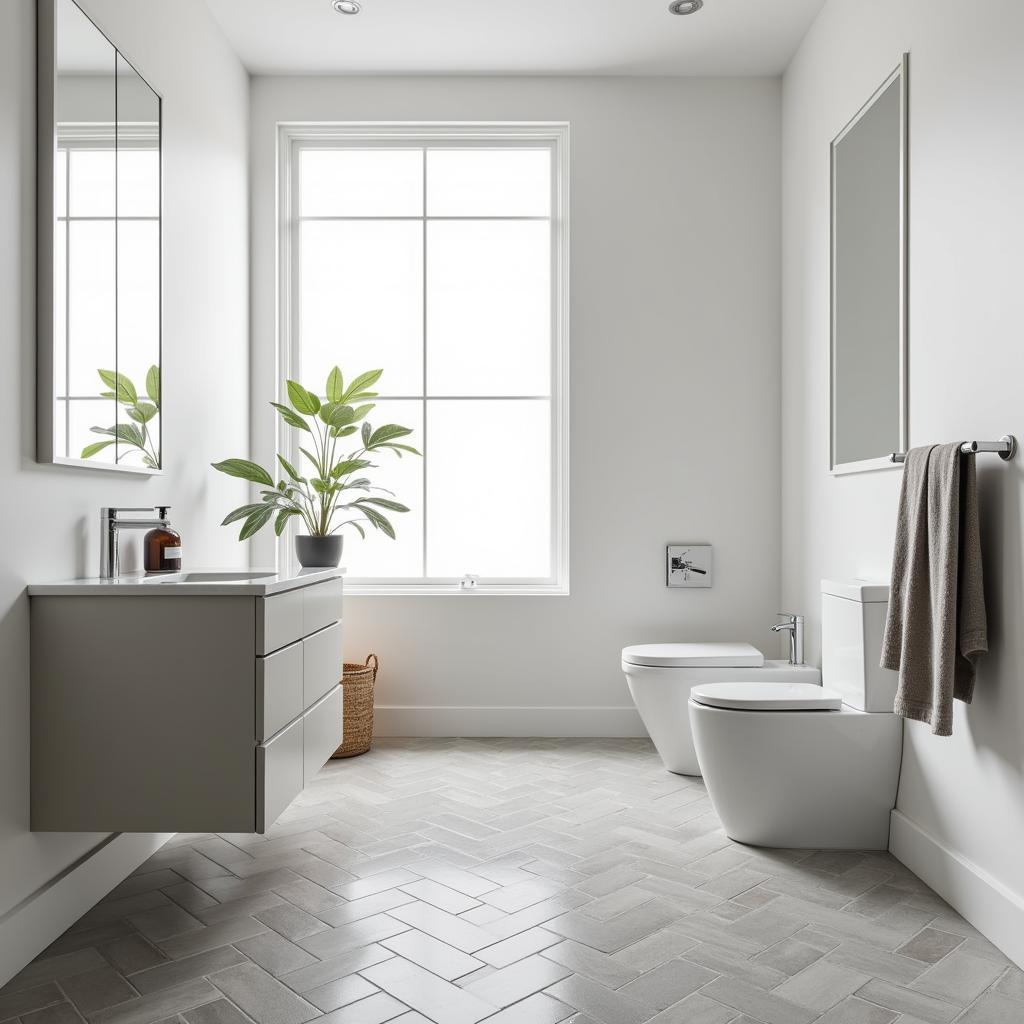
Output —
(869, 281)
(99, 277)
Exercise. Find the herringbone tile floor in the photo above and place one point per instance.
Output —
(517, 882)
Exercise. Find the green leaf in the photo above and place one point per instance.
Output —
(304, 401)
(399, 448)
(358, 526)
(256, 522)
(242, 512)
(361, 411)
(378, 521)
(391, 506)
(130, 434)
(124, 388)
(290, 418)
(349, 466)
(335, 415)
(153, 384)
(367, 431)
(291, 470)
(282, 519)
(143, 412)
(97, 446)
(382, 435)
(246, 470)
(343, 432)
(312, 458)
(357, 388)
(335, 386)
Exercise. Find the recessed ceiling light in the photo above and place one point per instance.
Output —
(352, 6)
(685, 6)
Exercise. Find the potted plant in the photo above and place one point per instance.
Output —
(325, 499)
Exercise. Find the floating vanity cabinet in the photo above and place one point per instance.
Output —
(194, 703)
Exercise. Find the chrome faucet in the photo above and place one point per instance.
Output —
(794, 625)
(111, 525)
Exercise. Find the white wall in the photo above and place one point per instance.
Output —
(48, 515)
(961, 801)
(674, 393)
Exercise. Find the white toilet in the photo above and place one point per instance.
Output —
(809, 766)
(662, 676)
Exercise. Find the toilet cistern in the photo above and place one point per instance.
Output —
(794, 625)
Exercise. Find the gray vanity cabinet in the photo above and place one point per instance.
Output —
(184, 712)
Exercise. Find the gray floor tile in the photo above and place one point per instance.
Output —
(992, 1008)
(430, 995)
(262, 997)
(59, 1013)
(903, 1000)
(174, 972)
(696, 1009)
(959, 978)
(821, 985)
(49, 968)
(336, 994)
(347, 937)
(21, 1001)
(668, 983)
(211, 936)
(535, 1009)
(375, 1009)
(307, 978)
(599, 1002)
(291, 922)
(759, 1004)
(930, 945)
(508, 985)
(446, 927)
(508, 951)
(158, 1005)
(438, 957)
(218, 1012)
(275, 954)
(855, 1011)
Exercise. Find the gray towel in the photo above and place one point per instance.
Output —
(936, 626)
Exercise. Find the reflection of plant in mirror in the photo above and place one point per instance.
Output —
(318, 498)
(134, 437)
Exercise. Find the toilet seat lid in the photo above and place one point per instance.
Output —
(694, 655)
(767, 697)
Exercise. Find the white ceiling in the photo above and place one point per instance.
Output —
(579, 37)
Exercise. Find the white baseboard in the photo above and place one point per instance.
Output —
(391, 720)
(28, 928)
(996, 911)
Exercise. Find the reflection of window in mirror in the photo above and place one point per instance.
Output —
(100, 366)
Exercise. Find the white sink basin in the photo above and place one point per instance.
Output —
(209, 577)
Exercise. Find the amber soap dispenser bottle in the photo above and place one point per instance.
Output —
(162, 546)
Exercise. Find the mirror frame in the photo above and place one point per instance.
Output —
(900, 73)
(46, 157)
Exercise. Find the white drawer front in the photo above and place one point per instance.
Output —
(322, 729)
(321, 605)
(279, 778)
(279, 690)
(321, 664)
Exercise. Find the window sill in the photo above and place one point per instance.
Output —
(483, 590)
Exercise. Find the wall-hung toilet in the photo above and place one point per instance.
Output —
(809, 766)
(661, 677)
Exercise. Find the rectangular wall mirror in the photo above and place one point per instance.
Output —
(869, 281)
(99, 234)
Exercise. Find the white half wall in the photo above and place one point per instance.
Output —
(674, 408)
(961, 798)
(48, 515)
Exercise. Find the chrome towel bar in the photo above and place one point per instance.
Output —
(1005, 447)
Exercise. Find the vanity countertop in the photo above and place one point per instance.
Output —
(209, 582)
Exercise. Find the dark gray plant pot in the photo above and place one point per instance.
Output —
(318, 552)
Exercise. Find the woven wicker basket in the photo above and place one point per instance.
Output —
(357, 717)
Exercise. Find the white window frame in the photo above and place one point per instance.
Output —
(292, 139)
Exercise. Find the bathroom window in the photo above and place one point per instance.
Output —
(439, 255)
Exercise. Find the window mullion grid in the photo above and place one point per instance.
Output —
(425, 581)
